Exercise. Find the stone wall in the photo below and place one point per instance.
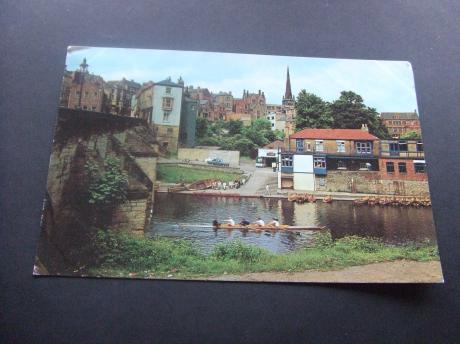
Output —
(69, 221)
(369, 182)
(200, 154)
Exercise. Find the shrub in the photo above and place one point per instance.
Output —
(239, 251)
(108, 187)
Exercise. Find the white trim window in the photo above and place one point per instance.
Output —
(319, 145)
(168, 103)
(166, 115)
(340, 146)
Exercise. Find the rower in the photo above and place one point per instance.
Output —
(274, 223)
(230, 221)
(215, 224)
(259, 222)
(244, 222)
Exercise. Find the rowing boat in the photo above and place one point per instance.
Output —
(269, 228)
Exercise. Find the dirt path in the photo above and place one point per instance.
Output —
(401, 271)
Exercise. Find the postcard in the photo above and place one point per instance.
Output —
(235, 167)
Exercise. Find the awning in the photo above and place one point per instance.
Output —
(419, 161)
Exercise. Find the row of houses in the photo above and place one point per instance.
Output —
(350, 160)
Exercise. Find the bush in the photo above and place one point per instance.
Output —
(128, 251)
(239, 251)
(108, 187)
(356, 243)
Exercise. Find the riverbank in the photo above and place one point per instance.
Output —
(400, 271)
(125, 255)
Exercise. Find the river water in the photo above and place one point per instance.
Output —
(189, 217)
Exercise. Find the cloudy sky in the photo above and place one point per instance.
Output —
(385, 85)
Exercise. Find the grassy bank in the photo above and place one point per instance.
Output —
(125, 255)
(179, 174)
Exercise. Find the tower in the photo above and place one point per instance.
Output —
(84, 66)
(288, 99)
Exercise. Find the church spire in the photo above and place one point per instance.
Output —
(288, 99)
(288, 93)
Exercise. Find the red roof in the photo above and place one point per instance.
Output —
(333, 134)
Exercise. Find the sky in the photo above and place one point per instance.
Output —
(387, 86)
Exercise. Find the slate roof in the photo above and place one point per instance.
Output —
(168, 82)
(399, 115)
(333, 134)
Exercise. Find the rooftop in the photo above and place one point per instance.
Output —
(399, 115)
(333, 134)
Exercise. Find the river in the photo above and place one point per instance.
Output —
(189, 217)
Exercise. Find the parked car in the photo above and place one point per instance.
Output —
(218, 162)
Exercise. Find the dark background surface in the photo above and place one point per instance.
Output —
(33, 40)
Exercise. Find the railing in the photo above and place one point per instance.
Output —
(329, 151)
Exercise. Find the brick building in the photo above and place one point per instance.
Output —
(119, 95)
(86, 91)
(399, 123)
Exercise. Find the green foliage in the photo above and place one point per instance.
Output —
(411, 135)
(182, 174)
(121, 253)
(312, 112)
(239, 251)
(349, 112)
(279, 134)
(108, 187)
(202, 127)
(234, 127)
(232, 135)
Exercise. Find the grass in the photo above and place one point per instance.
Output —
(125, 255)
(181, 174)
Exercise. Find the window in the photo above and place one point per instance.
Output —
(319, 163)
(94, 108)
(166, 116)
(402, 168)
(273, 124)
(365, 166)
(390, 167)
(85, 107)
(419, 146)
(308, 146)
(168, 90)
(167, 103)
(95, 94)
(319, 145)
(419, 167)
(86, 93)
(77, 93)
(403, 146)
(341, 146)
(299, 145)
(322, 181)
(364, 147)
(341, 165)
(286, 161)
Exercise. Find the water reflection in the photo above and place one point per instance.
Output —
(189, 217)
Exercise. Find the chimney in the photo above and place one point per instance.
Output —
(364, 127)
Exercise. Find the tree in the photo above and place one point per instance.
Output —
(279, 134)
(202, 127)
(312, 112)
(349, 112)
(411, 135)
(234, 127)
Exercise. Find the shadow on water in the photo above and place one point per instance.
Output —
(189, 217)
